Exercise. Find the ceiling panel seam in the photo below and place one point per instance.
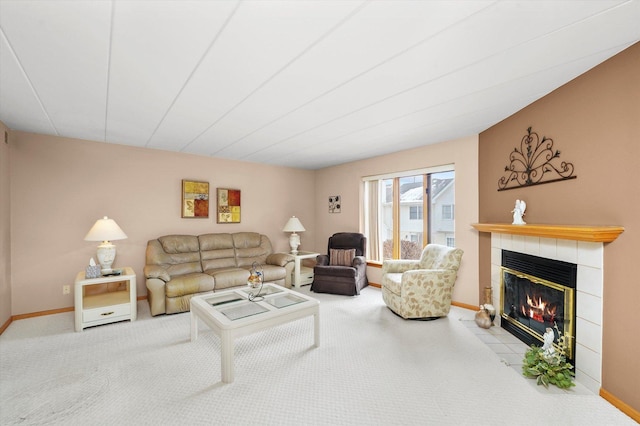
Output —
(429, 81)
(106, 103)
(193, 71)
(303, 52)
(29, 82)
(355, 77)
(529, 100)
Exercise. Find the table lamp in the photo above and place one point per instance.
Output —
(105, 230)
(293, 226)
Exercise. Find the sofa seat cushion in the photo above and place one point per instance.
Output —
(393, 282)
(189, 284)
(228, 277)
(272, 273)
(335, 271)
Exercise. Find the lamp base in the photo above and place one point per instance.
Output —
(106, 255)
(294, 242)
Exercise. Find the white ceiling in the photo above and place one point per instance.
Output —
(305, 84)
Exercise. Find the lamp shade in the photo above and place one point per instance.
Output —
(105, 229)
(293, 225)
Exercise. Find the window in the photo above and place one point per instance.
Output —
(405, 211)
(451, 242)
(415, 212)
(447, 211)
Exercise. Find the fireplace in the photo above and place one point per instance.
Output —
(538, 294)
(579, 245)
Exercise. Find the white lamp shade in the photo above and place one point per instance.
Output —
(293, 225)
(105, 229)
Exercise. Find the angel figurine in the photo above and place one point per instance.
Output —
(549, 337)
(518, 212)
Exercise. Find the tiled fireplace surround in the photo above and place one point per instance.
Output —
(589, 258)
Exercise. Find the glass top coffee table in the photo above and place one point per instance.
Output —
(231, 314)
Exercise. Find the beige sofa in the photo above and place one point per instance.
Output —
(179, 267)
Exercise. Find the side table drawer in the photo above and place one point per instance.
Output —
(306, 275)
(97, 314)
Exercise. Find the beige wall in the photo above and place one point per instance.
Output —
(346, 180)
(60, 187)
(594, 121)
(5, 228)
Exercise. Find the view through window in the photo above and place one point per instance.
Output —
(403, 213)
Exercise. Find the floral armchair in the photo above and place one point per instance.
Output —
(421, 288)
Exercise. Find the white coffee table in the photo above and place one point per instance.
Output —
(230, 315)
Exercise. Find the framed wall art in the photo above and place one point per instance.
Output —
(334, 204)
(228, 206)
(195, 199)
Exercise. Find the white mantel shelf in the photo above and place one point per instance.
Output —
(596, 234)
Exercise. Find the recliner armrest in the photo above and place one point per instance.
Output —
(322, 260)
(156, 271)
(359, 260)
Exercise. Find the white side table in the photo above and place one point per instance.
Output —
(302, 275)
(108, 307)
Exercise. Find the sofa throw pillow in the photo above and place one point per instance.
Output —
(341, 257)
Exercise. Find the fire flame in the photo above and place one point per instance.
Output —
(536, 305)
(537, 309)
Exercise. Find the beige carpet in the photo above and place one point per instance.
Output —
(371, 368)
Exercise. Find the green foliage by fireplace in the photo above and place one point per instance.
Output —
(549, 368)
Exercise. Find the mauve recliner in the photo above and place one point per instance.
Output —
(348, 279)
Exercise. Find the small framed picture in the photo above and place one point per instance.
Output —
(228, 206)
(334, 204)
(195, 199)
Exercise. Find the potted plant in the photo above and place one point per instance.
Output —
(548, 365)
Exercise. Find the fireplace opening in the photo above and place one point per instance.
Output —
(537, 294)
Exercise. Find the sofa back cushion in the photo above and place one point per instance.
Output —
(178, 254)
(251, 247)
(217, 251)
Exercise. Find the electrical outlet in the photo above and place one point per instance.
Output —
(66, 289)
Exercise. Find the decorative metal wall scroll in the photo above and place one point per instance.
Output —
(534, 163)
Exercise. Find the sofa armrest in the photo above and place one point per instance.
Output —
(396, 266)
(156, 295)
(284, 260)
(322, 260)
(279, 259)
(156, 271)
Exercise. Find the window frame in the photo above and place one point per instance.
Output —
(368, 227)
